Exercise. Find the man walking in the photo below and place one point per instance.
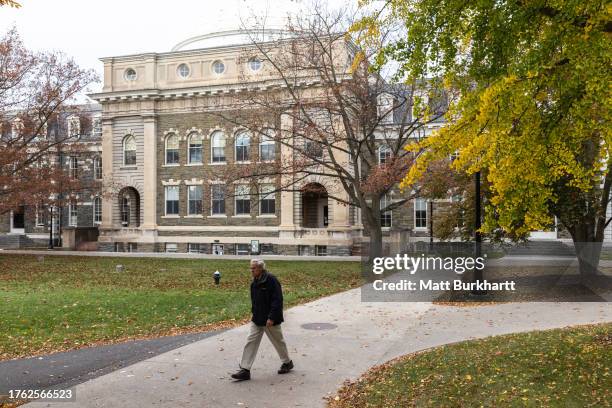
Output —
(267, 308)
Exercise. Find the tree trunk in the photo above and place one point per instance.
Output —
(587, 244)
(376, 247)
(372, 223)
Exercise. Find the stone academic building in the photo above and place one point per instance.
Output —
(164, 146)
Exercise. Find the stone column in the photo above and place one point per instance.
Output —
(107, 174)
(149, 200)
(286, 157)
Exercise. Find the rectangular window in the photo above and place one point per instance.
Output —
(385, 217)
(97, 127)
(72, 215)
(97, 207)
(420, 213)
(195, 149)
(97, 168)
(384, 154)
(172, 248)
(172, 200)
(125, 211)
(195, 248)
(242, 249)
(74, 165)
(267, 150)
(40, 215)
(217, 199)
(266, 248)
(242, 153)
(321, 250)
(243, 200)
(195, 200)
(217, 249)
(267, 204)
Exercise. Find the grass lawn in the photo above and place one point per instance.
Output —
(555, 368)
(66, 302)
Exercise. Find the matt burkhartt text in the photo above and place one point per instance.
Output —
(412, 264)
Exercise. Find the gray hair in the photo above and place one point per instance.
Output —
(259, 262)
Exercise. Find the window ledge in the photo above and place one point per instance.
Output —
(242, 216)
(267, 216)
(171, 165)
(171, 216)
(194, 216)
(194, 164)
(217, 216)
(420, 229)
(266, 161)
(243, 162)
(218, 163)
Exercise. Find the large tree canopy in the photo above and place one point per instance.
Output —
(535, 108)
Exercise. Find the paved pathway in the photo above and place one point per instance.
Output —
(197, 375)
(65, 369)
(61, 252)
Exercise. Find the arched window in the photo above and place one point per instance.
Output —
(129, 150)
(267, 147)
(195, 148)
(172, 149)
(97, 165)
(217, 147)
(243, 140)
(97, 210)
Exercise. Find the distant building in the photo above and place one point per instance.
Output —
(28, 226)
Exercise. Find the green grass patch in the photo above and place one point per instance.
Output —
(61, 302)
(555, 368)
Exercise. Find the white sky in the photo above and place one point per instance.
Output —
(88, 30)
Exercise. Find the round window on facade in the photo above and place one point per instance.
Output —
(255, 64)
(218, 67)
(183, 71)
(130, 74)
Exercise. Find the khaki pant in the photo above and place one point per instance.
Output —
(275, 335)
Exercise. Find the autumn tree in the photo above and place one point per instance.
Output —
(37, 94)
(534, 110)
(340, 123)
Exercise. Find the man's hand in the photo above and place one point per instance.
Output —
(269, 323)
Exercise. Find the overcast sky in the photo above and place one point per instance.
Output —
(88, 30)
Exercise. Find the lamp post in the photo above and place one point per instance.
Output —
(50, 246)
(478, 273)
(431, 236)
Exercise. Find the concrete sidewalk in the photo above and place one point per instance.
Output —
(366, 334)
(48, 252)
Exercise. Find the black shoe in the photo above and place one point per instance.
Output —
(286, 367)
(242, 375)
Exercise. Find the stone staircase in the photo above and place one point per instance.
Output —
(541, 247)
(17, 241)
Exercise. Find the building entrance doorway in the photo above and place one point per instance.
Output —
(315, 210)
(18, 220)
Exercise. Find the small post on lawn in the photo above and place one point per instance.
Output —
(478, 275)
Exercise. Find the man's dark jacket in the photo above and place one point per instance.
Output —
(266, 300)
